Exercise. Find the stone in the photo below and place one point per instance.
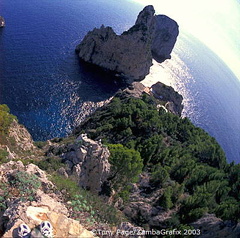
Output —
(211, 226)
(22, 137)
(46, 207)
(128, 227)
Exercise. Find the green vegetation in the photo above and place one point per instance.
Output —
(49, 164)
(26, 184)
(85, 206)
(126, 166)
(182, 159)
(20, 184)
(3, 156)
(5, 119)
(185, 164)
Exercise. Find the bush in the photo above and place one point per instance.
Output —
(3, 156)
(50, 164)
(159, 175)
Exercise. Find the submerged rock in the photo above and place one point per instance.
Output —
(2, 21)
(130, 54)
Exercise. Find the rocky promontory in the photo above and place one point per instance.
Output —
(130, 54)
(2, 21)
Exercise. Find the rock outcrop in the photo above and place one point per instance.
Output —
(87, 160)
(164, 37)
(129, 55)
(23, 139)
(18, 143)
(169, 99)
(2, 21)
(172, 99)
(46, 206)
(211, 226)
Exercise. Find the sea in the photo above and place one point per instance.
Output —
(47, 88)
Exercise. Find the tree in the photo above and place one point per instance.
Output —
(126, 164)
(166, 201)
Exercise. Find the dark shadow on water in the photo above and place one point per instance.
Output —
(98, 84)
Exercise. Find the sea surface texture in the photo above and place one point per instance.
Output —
(46, 87)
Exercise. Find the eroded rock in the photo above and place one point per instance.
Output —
(129, 55)
(87, 160)
(164, 37)
(211, 226)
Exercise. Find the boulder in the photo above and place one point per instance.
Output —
(129, 55)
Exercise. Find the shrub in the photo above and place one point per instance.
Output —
(50, 164)
(27, 185)
(3, 156)
(87, 204)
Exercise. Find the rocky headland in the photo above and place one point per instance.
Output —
(2, 21)
(133, 165)
(130, 54)
(48, 180)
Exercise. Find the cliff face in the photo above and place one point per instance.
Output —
(130, 54)
(164, 37)
(87, 160)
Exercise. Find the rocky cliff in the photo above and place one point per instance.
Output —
(2, 21)
(87, 160)
(27, 195)
(130, 54)
(33, 207)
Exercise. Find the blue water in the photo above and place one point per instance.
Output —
(40, 76)
(211, 92)
(45, 86)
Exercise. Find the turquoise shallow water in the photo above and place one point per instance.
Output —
(44, 85)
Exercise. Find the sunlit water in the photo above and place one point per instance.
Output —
(45, 86)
